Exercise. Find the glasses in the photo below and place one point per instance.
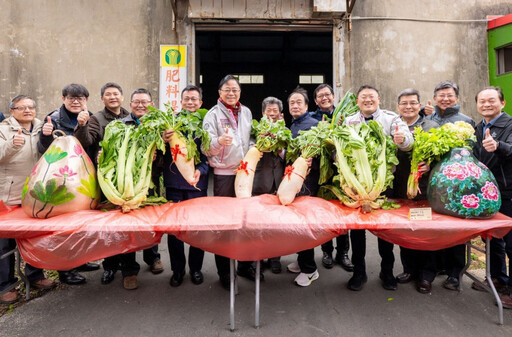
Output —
(190, 99)
(23, 108)
(80, 99)
(408, 103)
(227, 91)
(145, 103)
(324, 95)
(445, 96)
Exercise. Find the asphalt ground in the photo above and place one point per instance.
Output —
(325, 308)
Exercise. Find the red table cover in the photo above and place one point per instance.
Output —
(244, 229)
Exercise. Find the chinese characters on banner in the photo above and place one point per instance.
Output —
(173, 76)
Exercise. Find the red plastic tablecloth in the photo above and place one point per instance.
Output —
(244, 229)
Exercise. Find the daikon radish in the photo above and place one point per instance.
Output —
(245, 173)
(293, 179)
(179, 156)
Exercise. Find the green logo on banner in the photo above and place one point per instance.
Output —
(173, 57)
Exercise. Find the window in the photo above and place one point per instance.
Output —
(504, 59)
(250, 79)
(311, 79)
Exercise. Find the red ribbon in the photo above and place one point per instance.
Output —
(243, 167)
(176, 151)
(288, 172)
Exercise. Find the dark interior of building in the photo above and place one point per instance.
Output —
(276, 58)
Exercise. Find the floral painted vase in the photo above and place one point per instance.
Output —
(63, 180)
(463, 187)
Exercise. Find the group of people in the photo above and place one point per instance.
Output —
(23, 139)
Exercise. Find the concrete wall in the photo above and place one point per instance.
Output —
(46, 44)
(397, 54)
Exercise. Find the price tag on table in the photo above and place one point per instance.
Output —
(420, 213)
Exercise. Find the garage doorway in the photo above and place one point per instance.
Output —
(269, 63)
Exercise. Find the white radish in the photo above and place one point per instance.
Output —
(292, 181)
(245, 173)
(179, 156)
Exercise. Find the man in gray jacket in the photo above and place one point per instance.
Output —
(368, 102)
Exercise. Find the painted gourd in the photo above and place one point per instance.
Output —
(63, 180)
(463, 187)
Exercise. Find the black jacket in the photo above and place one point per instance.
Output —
(499, 161)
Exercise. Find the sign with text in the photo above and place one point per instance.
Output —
(173, 75)
(420, 213)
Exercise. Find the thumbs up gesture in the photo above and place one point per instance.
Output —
(489, 144)
(18, 139)
(48, 127)
(83, 116)
(428, 109)
(225, 139)
(398, 136)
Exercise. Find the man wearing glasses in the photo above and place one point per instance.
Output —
(65, 118)
(324, 100)
(447, 110)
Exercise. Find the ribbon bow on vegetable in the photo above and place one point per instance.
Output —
(288, 172)
(175, 151)
(243, 167)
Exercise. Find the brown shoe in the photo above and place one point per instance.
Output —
(130, 282)
(157, 267)
(45, 283)
(506, 301)
(500, 288)
(9, 297)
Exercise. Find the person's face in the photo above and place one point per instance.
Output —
(368, 101)
(445, 98)
(297, 105)
(24, 111)
(324, 99)
(139, 104)
(190, 100)
(74, 104)
(230, 92)
(489, 105)
(112, 98)
(272, 112)
(409, 107)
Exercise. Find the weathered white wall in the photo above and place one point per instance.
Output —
(46, 44)
(397, 54)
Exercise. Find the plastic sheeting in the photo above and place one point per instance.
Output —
(244, 229)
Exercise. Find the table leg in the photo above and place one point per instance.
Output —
(232, 294)
(257, 296)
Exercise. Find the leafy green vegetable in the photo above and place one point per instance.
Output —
(365, 159)
(271, 136)
(431, 146)
(125, 163)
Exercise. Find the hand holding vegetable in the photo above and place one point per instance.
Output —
(225, 139)
(18, 139)
(423, 167)
(48, 127)
(489, 144)
(195, 180)
(167, 135)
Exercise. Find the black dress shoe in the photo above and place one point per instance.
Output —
(89, 266)
(404, 278)
(327, 260)
(344, 262)
(225, 281)
(424, 286)
(71, 277)
(451, 283)
(177, 279)
(388, 281)
(357, 281)
(196, 277)
(108, 276)
(275, 266)
(249, 273)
